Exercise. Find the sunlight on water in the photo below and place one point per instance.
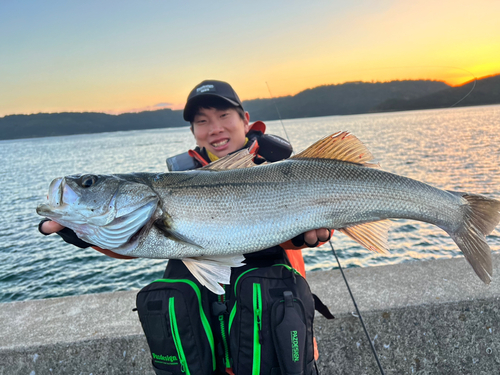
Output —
(453, 149)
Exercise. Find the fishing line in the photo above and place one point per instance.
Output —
(472, 89)
(277, 110)
(338, 262)
(358, 312)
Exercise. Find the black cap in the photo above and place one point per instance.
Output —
(219, 89)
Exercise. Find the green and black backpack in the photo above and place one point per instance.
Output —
(176, 319)
(271, 322)
(262, 325)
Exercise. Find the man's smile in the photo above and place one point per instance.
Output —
(220, 143)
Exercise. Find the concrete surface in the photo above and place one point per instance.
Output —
(432, 317)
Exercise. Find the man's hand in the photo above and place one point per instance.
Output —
(315, 236)
(49, 227)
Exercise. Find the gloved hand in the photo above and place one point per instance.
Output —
(312, 238)
(48, 226)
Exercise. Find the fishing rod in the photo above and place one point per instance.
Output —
(357, 311)
(336, 257)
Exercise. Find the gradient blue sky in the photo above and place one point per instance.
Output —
(119, 56)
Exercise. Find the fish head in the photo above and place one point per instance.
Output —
(104, 210)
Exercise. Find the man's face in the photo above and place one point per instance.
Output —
(220, 131)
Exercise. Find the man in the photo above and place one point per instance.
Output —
(220, 127)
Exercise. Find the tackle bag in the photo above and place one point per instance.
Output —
(174, 313)
(271, 322)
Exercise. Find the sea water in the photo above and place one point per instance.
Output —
(454, 149)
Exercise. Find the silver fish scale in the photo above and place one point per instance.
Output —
(245, 210)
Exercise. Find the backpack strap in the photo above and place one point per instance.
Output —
(320, 307)
(296, 260)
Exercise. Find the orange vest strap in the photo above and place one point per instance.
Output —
(254, 147)
(198, 157)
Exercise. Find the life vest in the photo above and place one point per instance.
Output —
(265, 147)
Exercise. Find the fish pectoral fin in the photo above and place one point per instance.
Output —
(372, 236)
(240, 159)
(173, 235)
(213, 271)
(341, 146)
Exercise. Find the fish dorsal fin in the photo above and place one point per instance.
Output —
(213, 271)
(339, 146)
(372, 236)
(240, 159)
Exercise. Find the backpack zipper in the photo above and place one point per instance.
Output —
(291, 269)
(204, 320)
(257, 326)
(233, 310)
(176, 336)
(223, 334)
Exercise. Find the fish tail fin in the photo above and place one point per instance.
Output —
(481, 216)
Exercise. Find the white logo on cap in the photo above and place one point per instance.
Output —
(205, 88)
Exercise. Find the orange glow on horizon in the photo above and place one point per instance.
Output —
(452, 77)
(284, 87)
(253, 89)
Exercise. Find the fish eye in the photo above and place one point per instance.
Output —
(88, 180)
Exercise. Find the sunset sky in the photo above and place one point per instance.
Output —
(121, 56)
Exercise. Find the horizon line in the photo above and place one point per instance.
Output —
(144, 109)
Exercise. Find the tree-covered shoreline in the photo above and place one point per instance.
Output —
(327, 100)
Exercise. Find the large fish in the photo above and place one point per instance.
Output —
(207, 216)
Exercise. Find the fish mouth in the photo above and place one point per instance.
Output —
(55, 192)
(54, 198)
(59, 197)
(60, 194)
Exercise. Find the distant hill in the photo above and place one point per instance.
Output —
(485, 91)
(68, 123)
(342, 99)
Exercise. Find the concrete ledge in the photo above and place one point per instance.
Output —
(433, 317)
